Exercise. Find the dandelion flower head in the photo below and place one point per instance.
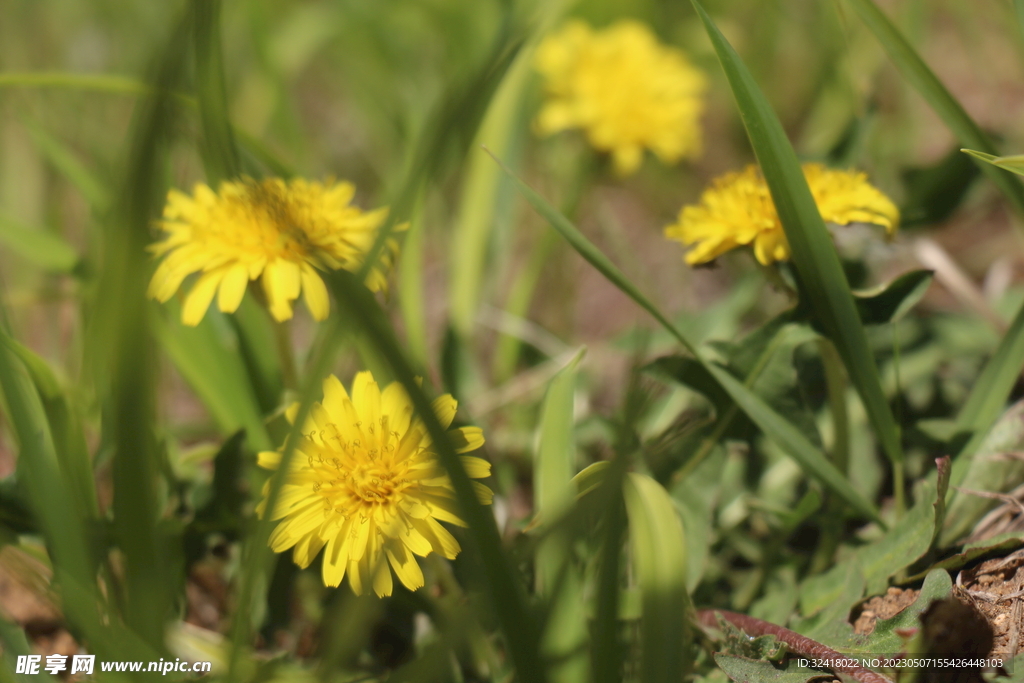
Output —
(277, 230)
(365, 482)
(737, 210)
(624, 89)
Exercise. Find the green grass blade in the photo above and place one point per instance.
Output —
(555, 463)
(505, 589)
(220, 156)
(476, 215)
(775, 426)
(66, 429)
(823, 282)
(554, 492)
(1014, 163)
(59, 515)
(38, 245)
(123, 348)
(943, 103)
(659, 555)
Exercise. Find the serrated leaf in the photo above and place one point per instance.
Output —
(907, 540)
(736, 642)
(884, 639)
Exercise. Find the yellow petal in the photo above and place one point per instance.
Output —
(282, 283)
(476, 468)
(406, 568)
(395, 403)
(366, 398)
(357, 571)
(306, 550)
(295, 527)
(466, 439)
(445, 407)
(336, 556)
(441, 540)
(335, 397)
(268, 460)
(382, 583)
(199, 298)
(361, 535)
(315, 293)
(232, 288)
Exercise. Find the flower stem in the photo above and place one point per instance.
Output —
(286, 356)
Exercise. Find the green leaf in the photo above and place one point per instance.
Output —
(744, 670)
(839, 635)
(764, 360)
(907, 540)
(1014, 164)
(990, 391)
(986, 469)
(38, 245)
(659, 555)
(220, 156)
(736, 642)
(775, 426)
(65, 427)
(829, 596)
(943, 103)
(481, 186)
(555, 462)
(999, 544)
(565, 632)
(889, 302)
(208, 358)
(822, 282)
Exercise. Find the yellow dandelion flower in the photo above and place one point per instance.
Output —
(737, 210)
(624, 89)
(280, 230)
(365, 482)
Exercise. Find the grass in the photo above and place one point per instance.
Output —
(760, 439)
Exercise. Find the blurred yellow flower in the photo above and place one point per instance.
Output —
(280, 230)
(737, 210)
(365, 482)
(624, 89)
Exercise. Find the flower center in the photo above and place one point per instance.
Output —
(356, 477)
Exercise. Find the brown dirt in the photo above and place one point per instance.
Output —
(885, 606)
(996, 588)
